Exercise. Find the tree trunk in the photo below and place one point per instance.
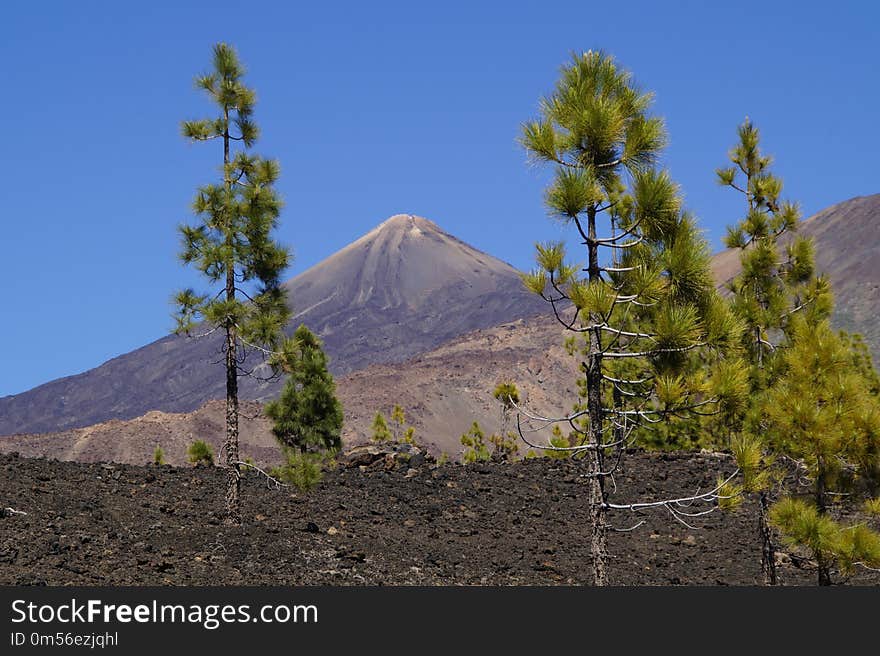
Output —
(768, 551)
(233, 472)
(598, 501)
(821, 504)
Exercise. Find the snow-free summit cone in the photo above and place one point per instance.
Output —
(402, 289)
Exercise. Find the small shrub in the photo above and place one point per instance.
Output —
(872, 506)
(560, 442)
(381, 432)
(158, 456)
(506, 448)
(199, 453)
(474, 442)
(443, 459)
(302, 470)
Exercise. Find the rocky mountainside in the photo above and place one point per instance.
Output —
(442, 391)
(402, 289)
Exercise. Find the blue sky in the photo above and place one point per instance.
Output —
(373, 109)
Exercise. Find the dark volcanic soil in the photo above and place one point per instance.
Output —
(94, 524)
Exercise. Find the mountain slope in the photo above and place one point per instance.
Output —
(402, 289)
(443, 391)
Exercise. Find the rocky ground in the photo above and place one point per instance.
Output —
(526, 523)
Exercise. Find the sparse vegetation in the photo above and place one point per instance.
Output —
(474, 443)
(158, 456)
(199, 453)
(381, 432)
(302, 470)
(401, 431)
(506, 443)
(398, 432)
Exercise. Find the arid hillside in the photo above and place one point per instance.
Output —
(442, 391)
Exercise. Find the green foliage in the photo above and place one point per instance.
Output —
(775, 283)
(649, 304)
(232, 243)
(158, 456)
(443, 459)
(862, 361)
(506, 393)
(754, 464)
(398, 432)
(804, 526)
(474, 442)
(822, 412)
(559, 441)
(381, 432)
(302, 470)
(307, 415)
(401, 432)
(199, 453)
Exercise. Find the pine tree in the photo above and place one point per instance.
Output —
(307, 415)
(505, 442)
(401, 432)
(822, 414)
(381, 432)
(775, 284)
(507, 394)
(646, 310)
(474, 443)
(232, 246)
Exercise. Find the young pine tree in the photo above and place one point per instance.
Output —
(822, 414)
(231, 245)
(381, 432)
(307, 415)
(400, 431)
(644, 305)
(505, 442)
(474, 443)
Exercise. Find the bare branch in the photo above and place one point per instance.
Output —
(270, 480)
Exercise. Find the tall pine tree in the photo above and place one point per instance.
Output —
(809, 389)
(644, 305)
(231, 245)
(777, 281)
